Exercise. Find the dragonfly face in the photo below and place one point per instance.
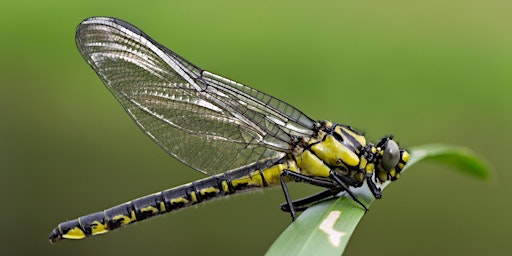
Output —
(392, 160)
(241, 137)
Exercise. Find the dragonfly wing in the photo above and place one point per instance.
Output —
(208, 122)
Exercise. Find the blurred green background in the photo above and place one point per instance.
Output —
(436, 71)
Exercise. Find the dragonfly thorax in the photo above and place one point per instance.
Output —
(340, 149)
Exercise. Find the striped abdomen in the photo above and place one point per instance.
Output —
(170, 200)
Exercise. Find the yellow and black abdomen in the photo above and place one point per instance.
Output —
(256, 175)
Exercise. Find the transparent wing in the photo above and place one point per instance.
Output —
(208, 122)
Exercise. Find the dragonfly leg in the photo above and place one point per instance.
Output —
(345, 187)
(287, 196)
(377, 193)
(309, 180)
(303, 203)
(301, 178)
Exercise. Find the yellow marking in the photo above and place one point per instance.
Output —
(204, 191)
(405, 156)
(74, 233)
(193, 196)
(178, 200)
(292, 166)
(241, 181)
(162, 207)
(319, 136)
(392, 172)
(273, 174)
(360, 138)
(374, 150)
(311, 165)
(125, 219)
(256, 178)
(150, 208)
(225, 186)
(401, 166)
(362, 163)
(98, 228)
(370, 167)
(331, 151)
(359, 176)
(382, 176)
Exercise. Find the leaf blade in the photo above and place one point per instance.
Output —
(305, 235)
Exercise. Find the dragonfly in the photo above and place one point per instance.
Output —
(243, 139)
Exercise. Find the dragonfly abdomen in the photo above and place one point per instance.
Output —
(170, 200)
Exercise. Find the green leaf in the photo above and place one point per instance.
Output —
(325, 228)
(461, 158)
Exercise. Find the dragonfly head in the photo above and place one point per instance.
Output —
(390, 159)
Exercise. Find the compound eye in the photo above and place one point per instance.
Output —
(391, 155)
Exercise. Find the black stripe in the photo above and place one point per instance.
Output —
(349, 137)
